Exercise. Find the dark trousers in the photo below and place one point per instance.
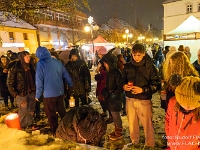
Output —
(103, 105)
(124, 102)
(26, 109)
(83, 99)
(51, 105)
(5, 97)
(117, 119)
(37, 107)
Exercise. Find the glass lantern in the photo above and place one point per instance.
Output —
(71, 101)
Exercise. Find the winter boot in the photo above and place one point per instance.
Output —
(117, 135)
(104, 114)
(113, 133)
(12, 106)
(7, 108)
(109, 120)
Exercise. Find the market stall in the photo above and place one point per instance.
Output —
(187, 34)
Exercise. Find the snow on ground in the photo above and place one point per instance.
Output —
(40, 140)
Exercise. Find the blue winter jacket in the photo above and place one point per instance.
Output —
(50, 73)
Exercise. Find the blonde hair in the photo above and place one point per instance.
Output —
(196, 111)
(181, 66)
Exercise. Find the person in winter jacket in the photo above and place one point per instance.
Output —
(187, 52)
(172, 50)
(50, 73)
(21, 85)
(113, 92)
(3, 77)
(81, 78)
(120, 64)
(177, 63)
(183, 115)
(165, 51)
(149, 51)
(159, 57)
(100, 77)
(140, 80)
(196, 64)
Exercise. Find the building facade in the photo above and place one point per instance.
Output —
(176, 11)
(16, 35)
(59, 31)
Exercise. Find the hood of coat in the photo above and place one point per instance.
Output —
(110, 59)
(43, 53)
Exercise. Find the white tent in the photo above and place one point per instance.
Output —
(187, 34)
(99, 41)
(190, 25)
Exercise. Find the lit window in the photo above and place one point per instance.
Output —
(189, 8)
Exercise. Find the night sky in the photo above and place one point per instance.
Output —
(146, 11)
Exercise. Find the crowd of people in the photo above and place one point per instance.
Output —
(126, 80)
(149, 70)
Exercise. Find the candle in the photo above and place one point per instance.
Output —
(130, 83)
(12, 121)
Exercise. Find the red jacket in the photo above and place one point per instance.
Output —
(182, 131)
(101, 83)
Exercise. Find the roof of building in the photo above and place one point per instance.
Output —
(170, 1)
(10, 20)
(121, 22)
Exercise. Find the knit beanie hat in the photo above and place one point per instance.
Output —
(117, 51)
(110, 59)
(188, 92)
(102, 50)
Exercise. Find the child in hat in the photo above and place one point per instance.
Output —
(183, 114)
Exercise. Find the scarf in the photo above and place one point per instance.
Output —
(30, 85)
(141, 63)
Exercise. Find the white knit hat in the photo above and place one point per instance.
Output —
(117, 51)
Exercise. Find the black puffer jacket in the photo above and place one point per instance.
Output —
(143, 74)
(80, 75)
(3, 78)
(113, 90)
(16, 79)
(197, 66)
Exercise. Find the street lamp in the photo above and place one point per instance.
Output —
(140, 38)
(128, 35)
(90, 28)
